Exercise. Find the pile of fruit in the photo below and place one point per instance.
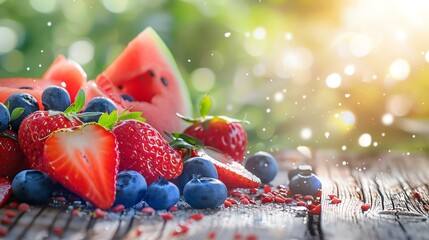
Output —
(121, 139)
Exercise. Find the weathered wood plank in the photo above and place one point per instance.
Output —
(382, 181)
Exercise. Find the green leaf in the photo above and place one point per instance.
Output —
(7, 104)
(16, 113)
(108, 120)
(78, 104)
(132, 115)
(205, 105)
(191, 140)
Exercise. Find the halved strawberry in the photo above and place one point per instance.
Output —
(5, 190)
(230, 172)
(84, 160)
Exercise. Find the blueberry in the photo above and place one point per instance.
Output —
(55, 98)
(24, 100)
(32, 186)
(203, 192)
(292, 173)
(4, 117)
(198, 166)
(305, 183)
(99, 104)
(162, 194)
(127, 97)
(263, 165)
(130, 188)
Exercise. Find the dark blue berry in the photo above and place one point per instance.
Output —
(99, 104)
(130, 188)
(301, 168)
(162, 194)
(127, 97)
(198, 166)
(202, 192)
(4, 117)
(55, 98)
(32, 186)
(305, 183)
(23, 100)
(263, 165)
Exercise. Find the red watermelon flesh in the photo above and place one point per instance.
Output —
(147, 71)
(62, 73)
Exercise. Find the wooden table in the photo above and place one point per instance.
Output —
(385, 181)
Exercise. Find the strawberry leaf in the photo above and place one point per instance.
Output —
(108, 120)
(131, 115)
(205, 105)
(78, 104)
(16, 113)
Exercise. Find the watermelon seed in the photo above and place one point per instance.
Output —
(164, 81)
(151, 73)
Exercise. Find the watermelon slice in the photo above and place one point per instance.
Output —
(62, 72)
(147, 71)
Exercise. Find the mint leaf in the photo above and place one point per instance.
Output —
(108, 120)
(205, 105)
(132, 115)
(16, 113)
(78, 104)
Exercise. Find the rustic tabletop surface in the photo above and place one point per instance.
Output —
(390, 183)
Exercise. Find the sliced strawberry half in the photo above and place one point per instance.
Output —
(84, 160)
(5, 190)
(230, 172)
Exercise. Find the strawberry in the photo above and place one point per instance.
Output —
(230, 172)
(85, 160)
(11, 157)
(36, 127)
(143, 149)
(5, 190)
(223, 133)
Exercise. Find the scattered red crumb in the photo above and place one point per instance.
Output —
(197, 216)
(252, 202)
(139, 231)
(297, 196)
(233, 201)
(211, 235)
(331, 196)
(166, 216)
(301, 203)
(13, 205)
(237, 236)
(365, 207)
(253, 191)
(58, 231)
(3, 231)
(99, 213)
(279, 199)
(181, 229)
(316, 210)
(23, 207)
(75, 212)
(6, 220)
(281, 186)
(267, 188)
(10, 213)
(118, 208)
(235, 193)
(308, 198)
(60, 199)
(174, 208)
(251, 237)
(244, 201)
(227, 203)
(148, 210)
(267, 200)
(335, 200)
(288, 200)
(245, 196)
(417, 195)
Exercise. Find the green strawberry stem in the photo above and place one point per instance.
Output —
(7, 134)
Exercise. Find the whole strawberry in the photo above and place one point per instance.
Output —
(11, 157)
(143, 149)
(223, 133)
(36, 127)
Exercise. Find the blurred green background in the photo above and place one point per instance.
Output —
(345, 75)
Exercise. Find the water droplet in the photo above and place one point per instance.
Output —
(347, 95)
(327, 134)
(49, 23)
(306, 133)
(189, 60)
(344, 147)
(387, 119)
(268, 110)
(344, 163)
(40, 65)
(28, 68)
(333, 80)
(278, 96)
(227, 34)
